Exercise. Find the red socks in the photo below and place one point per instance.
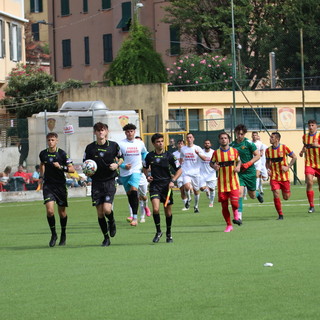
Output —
(277, 204)
(225, 212)
(310, 195)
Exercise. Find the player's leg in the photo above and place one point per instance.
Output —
(196, 190)
(309, 189)
(275, 187)
(223, 199)
(168, 214)
(240, 207)
(52, 223)
(63, 223)
(110, 191)
(156, 217)
(101, 210)
(234, 200)
(187, 187)
(133, 198)
(143, 202)
(212, 191)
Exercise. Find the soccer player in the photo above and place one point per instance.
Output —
(311, 150)
(161, 162)
(180, 144)
(134, 152)
(278, 169)
(190, 156)
(106, 154)
(248, 155)
(208, 177)
(258, 164)
(54, 162)
(226, 162)
(143, 199)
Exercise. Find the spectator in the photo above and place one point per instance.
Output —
(22, 173)
(4, 178)
(36, 174)
(23, 148)
(172, 146)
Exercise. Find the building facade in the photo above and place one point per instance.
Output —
(85, 36)
(12, 34)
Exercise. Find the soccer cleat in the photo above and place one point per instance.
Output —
(142, 220)
(129, 219)
(311, 210)
(106, 242)
(157, 237)
(187, 205)
(147, 211)
(185, 209)
(63, 239)
(280, 217)
(53, 240)
(112, 228)
(210, 205)
(196, 210)
(169, 238)
(134, 223)
(228, 228)
(260, 198)
(237, 221)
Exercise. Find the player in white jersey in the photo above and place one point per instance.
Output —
(190, 156)
(208, 176)
(143, 199)
(180, 144)
(257, 164)
(264, 172)
(134, 151)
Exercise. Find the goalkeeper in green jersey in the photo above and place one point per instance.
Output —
(248, 155)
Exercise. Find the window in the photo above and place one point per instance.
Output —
(177, 120)
(15, 42)
(194, 120)
(36, 6)
(86, 51)
(85, 122)
(85, 6)
(107, 48)
(310, 114)
(65, 9)
(174, 41)
(250, 119)
(106, 4)
(2, 40)
(35, 31)
(66, 53)
(125, 21)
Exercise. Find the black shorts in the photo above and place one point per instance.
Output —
(103, 191)
(55, 192)
(159, 190)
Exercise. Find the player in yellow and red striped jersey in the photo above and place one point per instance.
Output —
(226, 162)
(278, 170)
(311, 150)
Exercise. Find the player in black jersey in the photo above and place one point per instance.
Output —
(54, 162)
(106, 154)
(165, 170)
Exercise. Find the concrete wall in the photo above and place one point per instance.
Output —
(9, 157)
(151, 98)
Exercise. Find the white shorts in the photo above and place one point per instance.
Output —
(180, 182)
(143, 186)
(264, 172)
(208, 183)
(258, 165)
(194, 180)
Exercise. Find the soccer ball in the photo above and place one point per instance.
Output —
(89, 167)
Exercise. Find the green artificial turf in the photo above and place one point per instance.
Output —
(204, 274)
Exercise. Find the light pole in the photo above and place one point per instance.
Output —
(234, 72)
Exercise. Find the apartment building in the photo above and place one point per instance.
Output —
(12, 34)
(85, 36)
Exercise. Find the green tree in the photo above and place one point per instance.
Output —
(137, 62)
(261, 26)
(30, 90)
(205, 72)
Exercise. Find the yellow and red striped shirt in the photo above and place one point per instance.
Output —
(278, 158)
(312, 156)
(227, 179)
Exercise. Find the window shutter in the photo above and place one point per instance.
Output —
(65, 10)
(10, 40)
(35, 31)
(32, 5)
(107, 48)
(174, 40)
(86, 51)
(106, 4)
(19, 43)
(85, 6)
(66, 53)
(40, 6)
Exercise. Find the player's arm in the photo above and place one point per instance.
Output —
(256, 157)
(292, 162)
(200, 154)
(237, 168)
